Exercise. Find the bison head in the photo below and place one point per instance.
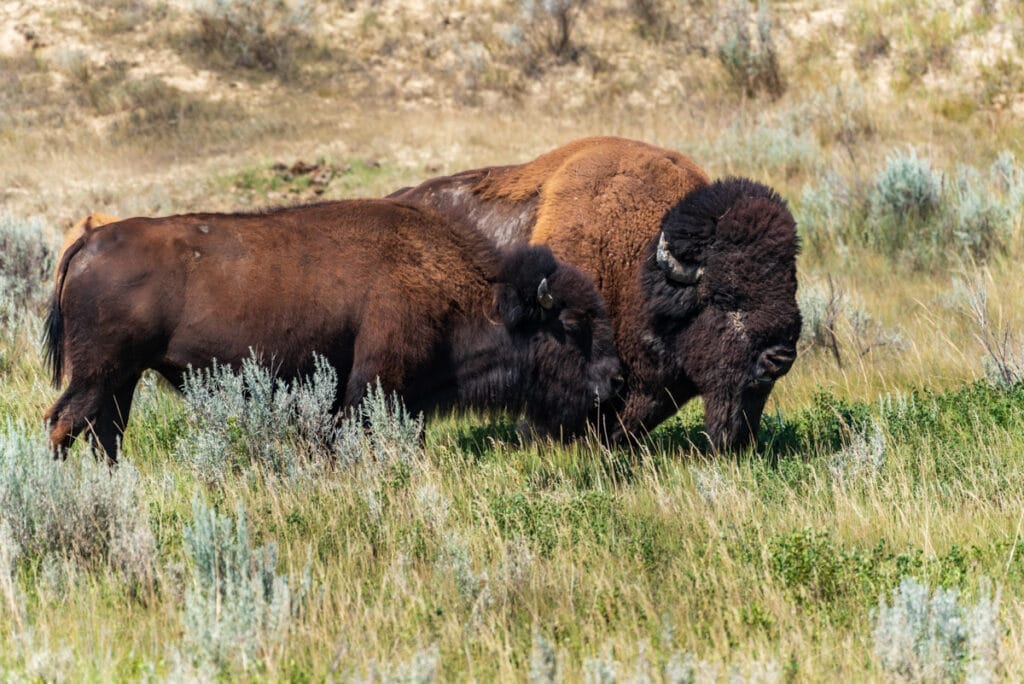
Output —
(720, 286)
(560, 329)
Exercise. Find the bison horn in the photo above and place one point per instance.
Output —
(686, 275)
(544, 295)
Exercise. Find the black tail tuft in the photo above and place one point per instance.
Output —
(53, 333)
(53, 340)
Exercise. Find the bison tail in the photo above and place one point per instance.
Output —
(53, 341)
(53, 332)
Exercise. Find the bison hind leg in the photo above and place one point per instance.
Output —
(112, 419)
(74, 410)
(103, 413)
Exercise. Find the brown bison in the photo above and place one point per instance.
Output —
(381, 289)
(699, 277)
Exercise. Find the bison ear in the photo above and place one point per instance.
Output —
(517, 307)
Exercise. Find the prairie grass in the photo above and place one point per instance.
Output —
(474, 554)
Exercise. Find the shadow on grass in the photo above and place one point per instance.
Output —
(823, 427)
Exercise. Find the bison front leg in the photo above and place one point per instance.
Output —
(369, 372)
(372, 366)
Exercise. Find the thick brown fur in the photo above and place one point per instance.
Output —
(83, 226)
(381, 289)
(599, 203)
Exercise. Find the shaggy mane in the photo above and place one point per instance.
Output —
(736, 210)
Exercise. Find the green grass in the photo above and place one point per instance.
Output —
(330, 180)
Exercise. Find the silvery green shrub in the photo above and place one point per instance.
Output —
(823, 215)
(26, 266)
(909, 213)
(1009, 179)
(779, 149)
(543, 660)
(981, 223)
(863, 457)
(600, 669)
(381, 430)
(821, 309)
(237, 418)
(237, 607)
(711, 481)
(904, 220)
(420, 668)
(76, 509)
(983, 630)
(751, 66)
(907, 187)
(11, 599)
(247, 417)
(926, 636)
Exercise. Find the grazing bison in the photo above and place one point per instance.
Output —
(699, 277)
(381, 289)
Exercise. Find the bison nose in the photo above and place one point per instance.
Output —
(775, 362)
(605, 383)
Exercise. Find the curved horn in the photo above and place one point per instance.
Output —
(544, 295)
(686, 275)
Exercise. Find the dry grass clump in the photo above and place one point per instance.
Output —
(751, 65)
(267, 35)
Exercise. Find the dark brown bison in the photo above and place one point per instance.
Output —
(700, 277)
(381, 289)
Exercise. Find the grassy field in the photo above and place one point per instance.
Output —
(874, 535)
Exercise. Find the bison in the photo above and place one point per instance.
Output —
(381, 289)
(699, 277)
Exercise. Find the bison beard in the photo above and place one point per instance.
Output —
(381, 289)
(699, 277)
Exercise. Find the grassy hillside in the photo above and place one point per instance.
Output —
(874, 535)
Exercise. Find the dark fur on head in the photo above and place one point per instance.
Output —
(574, 314)
(521, 272)
(734, 330)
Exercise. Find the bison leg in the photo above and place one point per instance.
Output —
(381, 354)
(102, 412)
(73, 412)
(364, 375)
(112, 419)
